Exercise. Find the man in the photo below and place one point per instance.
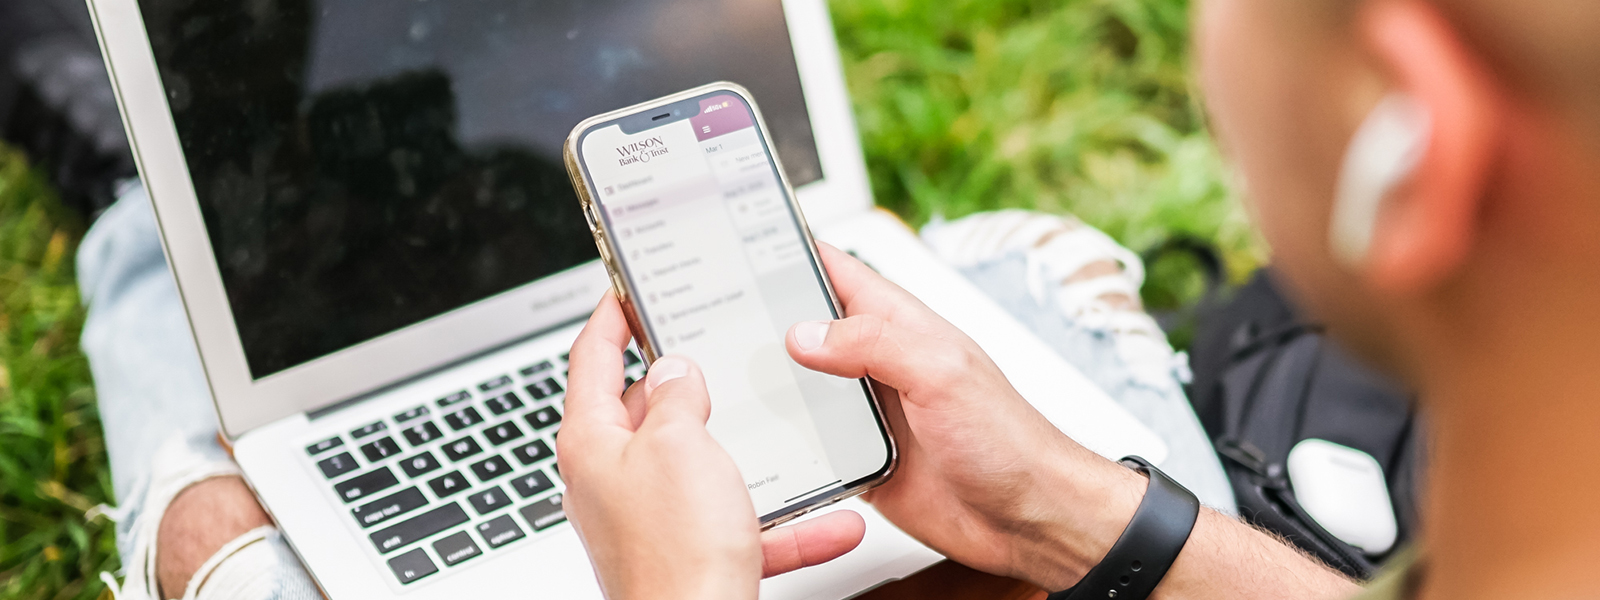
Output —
(1472, 274)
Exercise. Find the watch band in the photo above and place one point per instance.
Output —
(1148, 546)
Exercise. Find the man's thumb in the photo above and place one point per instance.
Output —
(676, 387)
(865, 346)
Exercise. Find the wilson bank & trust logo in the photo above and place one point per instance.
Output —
(642, 151)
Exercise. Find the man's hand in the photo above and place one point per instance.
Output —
(659, 504)
(987, 481)
(983, 477)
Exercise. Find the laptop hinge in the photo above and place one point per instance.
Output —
(347, 403)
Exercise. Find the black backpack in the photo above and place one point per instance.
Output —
(1265, 379)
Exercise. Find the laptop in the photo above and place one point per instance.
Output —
(384, 264)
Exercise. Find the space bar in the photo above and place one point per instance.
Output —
(419, 527)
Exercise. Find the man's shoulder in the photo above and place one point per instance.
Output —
(1396, 582)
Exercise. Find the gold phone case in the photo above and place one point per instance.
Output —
(625, 293)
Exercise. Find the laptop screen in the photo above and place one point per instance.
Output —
(365, 165)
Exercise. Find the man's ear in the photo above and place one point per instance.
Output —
(1427, 226)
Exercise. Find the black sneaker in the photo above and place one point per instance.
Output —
(56, 101)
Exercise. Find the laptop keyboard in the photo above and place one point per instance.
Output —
(471, 473)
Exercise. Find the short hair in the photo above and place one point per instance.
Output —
(1549, 49)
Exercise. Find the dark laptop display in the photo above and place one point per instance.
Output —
(364, 165)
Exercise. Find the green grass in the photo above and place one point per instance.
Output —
(1080, 106)
(1077, 106)
(52, 460)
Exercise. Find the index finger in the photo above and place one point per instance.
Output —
(848, 274)
(858, 286)
(594, 370)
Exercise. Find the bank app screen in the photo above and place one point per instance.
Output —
(720, 271)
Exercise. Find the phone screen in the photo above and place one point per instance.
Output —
(719, 267)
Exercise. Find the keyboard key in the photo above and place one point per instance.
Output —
(361, 432)
(422, 434)
(538, 368)
(489, 500)
(491, 468)
(544, 388)
(532, 484)
(544, 513)
(325, 445)
(456, 548)
(463, 419)
(462, 448)
(629, 358)
(361, 486)
(380, 449)
(448, 484)
(420, 411)
(500, 531)
(453, 399)
(337, 465)
(495, 384)
(543, 418)
(533, 453)
(412, 566)
(391, 506)
(419, 464)
(503, 404)
(421, 526)
(502, 433)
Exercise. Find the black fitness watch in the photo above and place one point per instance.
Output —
(1147, 547)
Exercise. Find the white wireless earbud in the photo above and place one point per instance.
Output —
(1381, 155)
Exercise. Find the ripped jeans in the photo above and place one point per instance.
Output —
(157, 410)
(1153, 396)
(160, 425)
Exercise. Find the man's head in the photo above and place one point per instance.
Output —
(1502, 206)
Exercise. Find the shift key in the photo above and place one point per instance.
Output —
(419, 527)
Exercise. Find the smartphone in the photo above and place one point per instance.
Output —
(712, 259)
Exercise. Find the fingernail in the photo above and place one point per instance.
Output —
(666, 368)
(810, 334)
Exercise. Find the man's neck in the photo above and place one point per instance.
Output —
(1512, 502)
(1512, 385)
(1515, 474)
